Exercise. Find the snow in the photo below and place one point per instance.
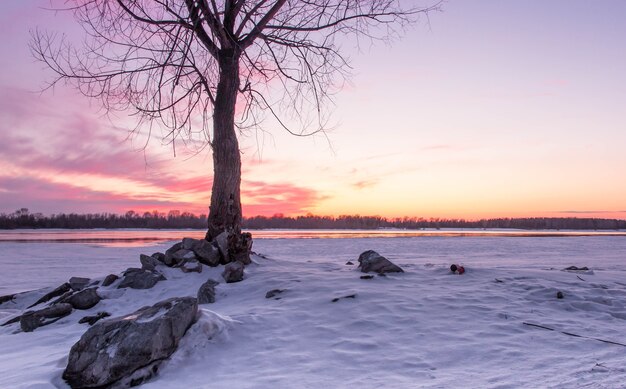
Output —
(422, 328)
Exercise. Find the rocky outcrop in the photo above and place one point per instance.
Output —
(127, 350)
(224, 248)
(206, 292)
(31, 320)
(233, 272)
(140, 279)
(371, 261)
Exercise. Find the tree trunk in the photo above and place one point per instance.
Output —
(225, 209)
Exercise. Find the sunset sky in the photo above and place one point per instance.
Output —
(498, 108)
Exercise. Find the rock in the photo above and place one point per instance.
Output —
(349, 263)
(159, 257)
(127, 350)
(221, 241)
(207, 253)
(576, 268)
(108, 280)
(350, 296)
(7, 298)
(206, 293)
(367, 277)
(371, 261)
(169, 259)
(273, 293)
(11, 321)
(91, 320)
(191, 267)
(148, 262)
(63, 297)
(32, 320)
(177, 254)
(55, 293)
(180, 256)
(78, 283)
(189, 243)
(85, 299)
(233, 272)
(140, 279)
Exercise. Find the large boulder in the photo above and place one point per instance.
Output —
(206, 293)
(371, 261)
(233, 272)
(32, 320)
(126, 350)
(140, 279)
(85, 299)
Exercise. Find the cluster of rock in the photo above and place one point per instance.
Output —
(225, 248)
(61, 301)
(124, 351)
(190, 254)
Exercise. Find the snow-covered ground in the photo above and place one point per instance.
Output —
(423, 328)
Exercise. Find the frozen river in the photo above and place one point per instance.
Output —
(34, 259)
(425, 328)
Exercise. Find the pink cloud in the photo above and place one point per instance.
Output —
(48, 197)
(50, 138)
(268, 199)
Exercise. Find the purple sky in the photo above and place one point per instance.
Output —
(487, 109)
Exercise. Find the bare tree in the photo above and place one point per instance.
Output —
(212, 67)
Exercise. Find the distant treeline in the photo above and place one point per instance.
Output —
(22, 218)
